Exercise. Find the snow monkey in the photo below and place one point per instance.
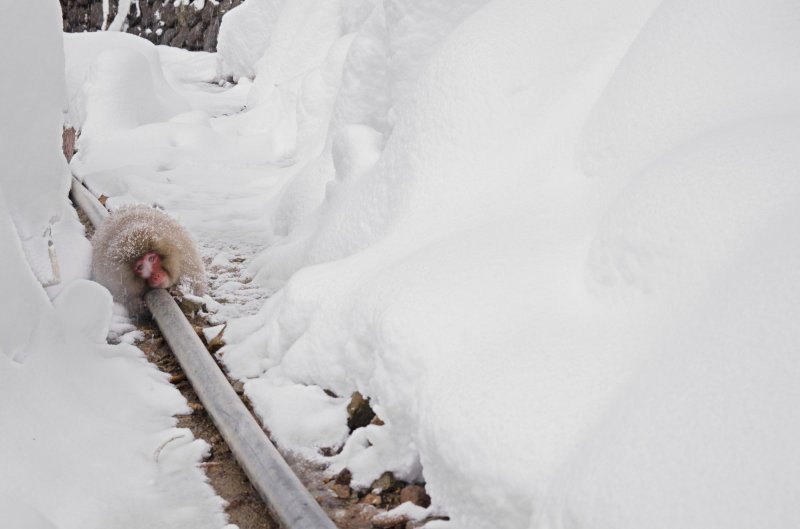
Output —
(139, 248)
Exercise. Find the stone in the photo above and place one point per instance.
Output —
(342, 491)
(382, 521)
(359, 412)
(372, 499)
(384, 483)
(343, 477)
(415, 494)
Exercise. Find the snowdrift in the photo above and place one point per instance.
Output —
(557, 247)
(88, 434)
(555, 244)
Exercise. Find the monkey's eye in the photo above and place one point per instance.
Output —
(151, 258)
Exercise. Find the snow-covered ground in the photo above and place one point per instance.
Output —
(556, 244)
(88, 429)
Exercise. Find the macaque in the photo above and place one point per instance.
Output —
(149, 267)
(140, 248)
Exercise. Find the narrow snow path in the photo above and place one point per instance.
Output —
(215, 182)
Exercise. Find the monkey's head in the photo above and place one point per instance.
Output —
(149, 267)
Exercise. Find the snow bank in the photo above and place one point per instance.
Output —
(295, 78)
(89, 437)
(31, 154)
(120, 75)
(555, 245)
(244, 36)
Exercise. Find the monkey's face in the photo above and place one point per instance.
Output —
(149, 268)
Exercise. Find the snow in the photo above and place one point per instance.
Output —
(38, 216)
(324, 421)
(554, 243)
(240, 48)
(89, 434)
(87, 423)
(120, 74)
(120, 22)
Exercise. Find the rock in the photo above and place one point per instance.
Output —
(372, 499)
(341, 491)
(359, 412)
(384, 483)
(382, 521)
(415, 494)
(68, 137)
(343, 477)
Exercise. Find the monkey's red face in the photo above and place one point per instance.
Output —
(149, 267)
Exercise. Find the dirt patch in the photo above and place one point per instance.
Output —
(87, 225)
(347, 507)
(245, 507)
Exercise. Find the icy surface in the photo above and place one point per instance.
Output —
(554, 243)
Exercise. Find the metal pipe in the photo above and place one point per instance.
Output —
(88, 203)
(285, 496)
(283, 492)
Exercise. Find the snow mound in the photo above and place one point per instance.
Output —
(555, 245)
(120, 76)
(89, 436)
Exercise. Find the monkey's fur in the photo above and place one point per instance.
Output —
(131, 232)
